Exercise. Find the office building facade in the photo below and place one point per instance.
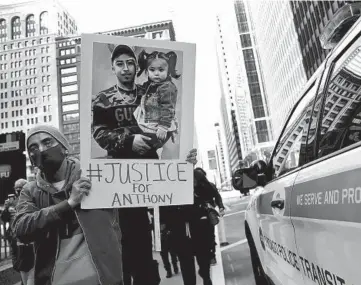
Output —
(262, 134)
(288, 35)
(310, 17)
(28, 85)
(231, 75)
(280, 57)
(221, 155)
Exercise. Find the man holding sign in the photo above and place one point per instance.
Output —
(72, 246)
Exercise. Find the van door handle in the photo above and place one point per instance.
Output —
(280, 204)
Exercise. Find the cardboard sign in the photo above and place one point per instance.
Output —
(136, 121)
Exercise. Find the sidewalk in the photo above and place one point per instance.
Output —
(8, 276)
(216, 270)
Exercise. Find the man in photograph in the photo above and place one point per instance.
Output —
(114, 126)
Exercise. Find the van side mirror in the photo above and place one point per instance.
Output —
(245, 179)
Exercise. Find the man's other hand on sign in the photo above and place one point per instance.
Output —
(192, 156)
(81, 187)
(140, 144)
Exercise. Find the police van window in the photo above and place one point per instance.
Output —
(307, 151)
(287, 155)
(341, 118)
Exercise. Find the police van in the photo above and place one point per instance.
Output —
(303, 223)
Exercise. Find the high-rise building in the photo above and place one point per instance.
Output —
(245, 103)
(288, 36)
(280, 55)
(230, 76)
(28, 85)
(260, 114)
(310, 17)
(223, 167)
(68, 51)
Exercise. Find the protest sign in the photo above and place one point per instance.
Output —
(136, 121)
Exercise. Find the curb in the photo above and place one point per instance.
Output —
(217, 270)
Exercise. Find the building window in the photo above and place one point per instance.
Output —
(69, 88)
(71, 128)
(70, 117)
(44, 23)
(68, 70)
(157, 35)
(246, 40)
(69, 98)
(3, 35)
(15, 28)
(30, 26)
(69, 79)
(71, 107)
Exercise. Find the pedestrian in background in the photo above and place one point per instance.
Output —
(191, 231)
(22, 254)
(166, 250)
(216, 201)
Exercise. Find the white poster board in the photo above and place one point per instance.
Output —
(136, 121)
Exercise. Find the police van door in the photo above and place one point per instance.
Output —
(276, 230)
(326, 199)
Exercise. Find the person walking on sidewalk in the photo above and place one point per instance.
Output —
(166, 250)
(22, 254)
(72, 246)
(191, 232)
(216, 201)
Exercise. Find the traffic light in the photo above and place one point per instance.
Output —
(12, 162)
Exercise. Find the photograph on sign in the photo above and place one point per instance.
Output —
(136, 120)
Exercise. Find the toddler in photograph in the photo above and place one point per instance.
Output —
(156, 113)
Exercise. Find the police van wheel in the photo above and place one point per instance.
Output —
(259, 275)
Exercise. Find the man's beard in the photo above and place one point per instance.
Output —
(127, 81)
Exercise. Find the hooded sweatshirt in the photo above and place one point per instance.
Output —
(71, 246)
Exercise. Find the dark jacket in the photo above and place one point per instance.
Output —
(8, 214)
(44, 217)
(207, 193)
(217, 197)
(159, 102)
(114, 125)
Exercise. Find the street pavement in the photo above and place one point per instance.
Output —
(236, 259)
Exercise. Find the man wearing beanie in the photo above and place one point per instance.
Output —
(72, 246)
